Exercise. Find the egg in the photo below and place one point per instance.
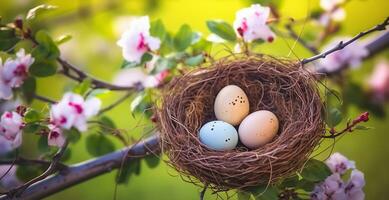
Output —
(258, 128)
(231, 105)
(219, 135)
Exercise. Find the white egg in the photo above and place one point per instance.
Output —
(218, 135)
(231, 105)
(258, 128)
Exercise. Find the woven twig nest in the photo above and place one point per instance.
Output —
(281, 86)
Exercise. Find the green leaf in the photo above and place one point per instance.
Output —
(32, 128)
(157, 29)
(43, 145)
(306, 185)
(163, 64)
(222, 29)
(152, 161)
(315, 170)
(290, 182)
(201, 46)
(194, 60)
(362, 128)
(183, 38)
(28, 89)
(43, 68)
(72, 135)
(98, 144)
(66, 155)
(8, 38)
(242, 195)
(130, 167)
(107, 122)
(146, 57)
(62, 39)
(136, 102)
(32, 116)
(334, 117)
(264, 193)
(83, 87)
(34, 12)
(47, 49)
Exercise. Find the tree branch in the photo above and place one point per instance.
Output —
(350, 126)
(86, 170)
(25, 161)
(342, 44)
(113, 105)
(295, 36)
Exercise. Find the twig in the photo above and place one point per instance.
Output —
(81, 75)
(343, 44)
(364, 117)
(53, 167)
(113, 105)
(202, 193)
(25, 161)
(84, 171)
(294, 35)
(44, 99)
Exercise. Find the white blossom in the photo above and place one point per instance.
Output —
(74, 111)
(55, 137)
(250, 23)
(339, 163)
(351, 55)
(135, 76)
(137, 40)
(5, 145)
(333, 9)
(11, 125)
(379, 81)
(13, 72)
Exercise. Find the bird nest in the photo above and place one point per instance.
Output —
(279, 85)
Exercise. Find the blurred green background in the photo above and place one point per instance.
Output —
(96, 26)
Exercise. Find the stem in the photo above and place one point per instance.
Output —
(25, 161)
(53, 167)
(117, 102)
(341, 44)
(364, 117)
(43, 99)
(294, 35)
(84, 171)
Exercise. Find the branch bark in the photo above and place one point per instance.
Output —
(342, 44)
(81, 172)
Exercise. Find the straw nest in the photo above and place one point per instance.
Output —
(281, 86)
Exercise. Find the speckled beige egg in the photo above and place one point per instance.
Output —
(258, 128)
(231, 105)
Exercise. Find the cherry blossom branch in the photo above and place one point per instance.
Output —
(350, 126)
(113, 105)
(342, 44)
(43, 99)
(84, 171)
(53, 167)
(68, 68)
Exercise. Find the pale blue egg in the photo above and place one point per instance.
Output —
(219, 135)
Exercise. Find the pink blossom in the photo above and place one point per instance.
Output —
(74, 111)
(351, 55)
(136, 76)
(355, 185)
(9, 180)
(137, 40)
(55, 137)
(11, 125)
(333, 9)
(5, 145)
(13, 72)
(250, 23)
(339, 163)
(379, 81)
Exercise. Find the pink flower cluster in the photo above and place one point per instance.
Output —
(333, 11)
(334, 188)
(13, 72)
(251, 23)
(137, 40)
(71, 111)
(351, 55)
(11, 125)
